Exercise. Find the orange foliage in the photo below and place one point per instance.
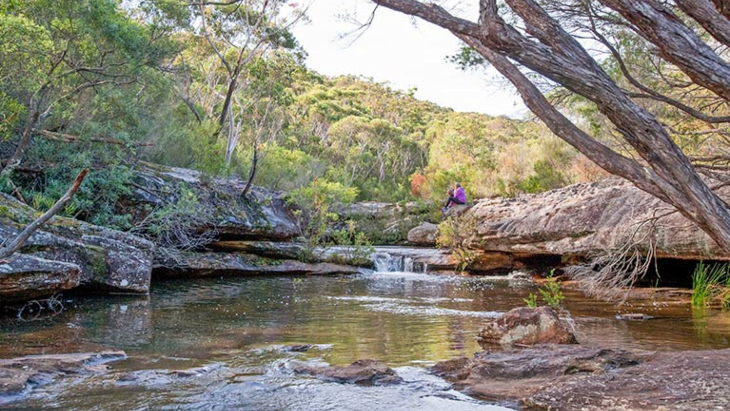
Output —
(417, 182)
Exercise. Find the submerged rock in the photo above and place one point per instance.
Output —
(573, 378)
(527, 326)
(18, 375)
(364, 372)
(634, 317)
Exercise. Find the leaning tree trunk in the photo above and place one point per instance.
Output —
(665, 171)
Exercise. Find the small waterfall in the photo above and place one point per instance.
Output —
(386, 262)
(408, 264)
(382, 261)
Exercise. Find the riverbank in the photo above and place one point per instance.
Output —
(238, 327)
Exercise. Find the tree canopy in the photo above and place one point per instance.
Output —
(687, 42)
(222, 87)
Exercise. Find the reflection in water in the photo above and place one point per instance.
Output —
(406, 320)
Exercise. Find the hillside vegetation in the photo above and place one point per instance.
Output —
(103, 84)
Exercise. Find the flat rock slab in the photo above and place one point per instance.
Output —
(232, 264)
(572, 378)
(363, 372)
(19, 375)
(24, 278)
(268, 249)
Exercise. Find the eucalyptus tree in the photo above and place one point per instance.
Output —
(220, 72)
(524, 39)
(55, 52)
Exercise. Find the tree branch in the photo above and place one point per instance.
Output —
(652, 94)
(69, 138)
(677, 43)
(705, 13)
(7, 250)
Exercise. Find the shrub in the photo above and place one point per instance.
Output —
(175, 226)
(453, 235)
(531, 300)
(315, 216)
(551, 293)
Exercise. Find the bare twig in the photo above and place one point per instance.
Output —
(33, 310)
(69, 138)
(613, 274)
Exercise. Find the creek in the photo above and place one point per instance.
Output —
(241, 330)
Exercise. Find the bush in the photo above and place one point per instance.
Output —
(315, 216)
(551, 293)
(453, 235)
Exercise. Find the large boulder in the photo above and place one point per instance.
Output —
(222, 212)
(587, 219)
(106, 259)
(424, 234)
(527, 326)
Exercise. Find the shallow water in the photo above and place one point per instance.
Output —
(238, 328)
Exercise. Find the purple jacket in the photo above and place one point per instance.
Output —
(460, 195)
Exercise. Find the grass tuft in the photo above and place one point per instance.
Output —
(710, 282)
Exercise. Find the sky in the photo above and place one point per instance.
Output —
(403, 53)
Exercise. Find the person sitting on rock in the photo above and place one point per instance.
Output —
(457, 196)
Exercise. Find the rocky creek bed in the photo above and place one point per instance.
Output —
(194, 325)
(280, 343)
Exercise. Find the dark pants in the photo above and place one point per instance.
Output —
(452, 200)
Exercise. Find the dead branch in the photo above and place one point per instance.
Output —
(252, 171)
(612, 275)
(69, 138)
(14, 245)
(34, 310)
